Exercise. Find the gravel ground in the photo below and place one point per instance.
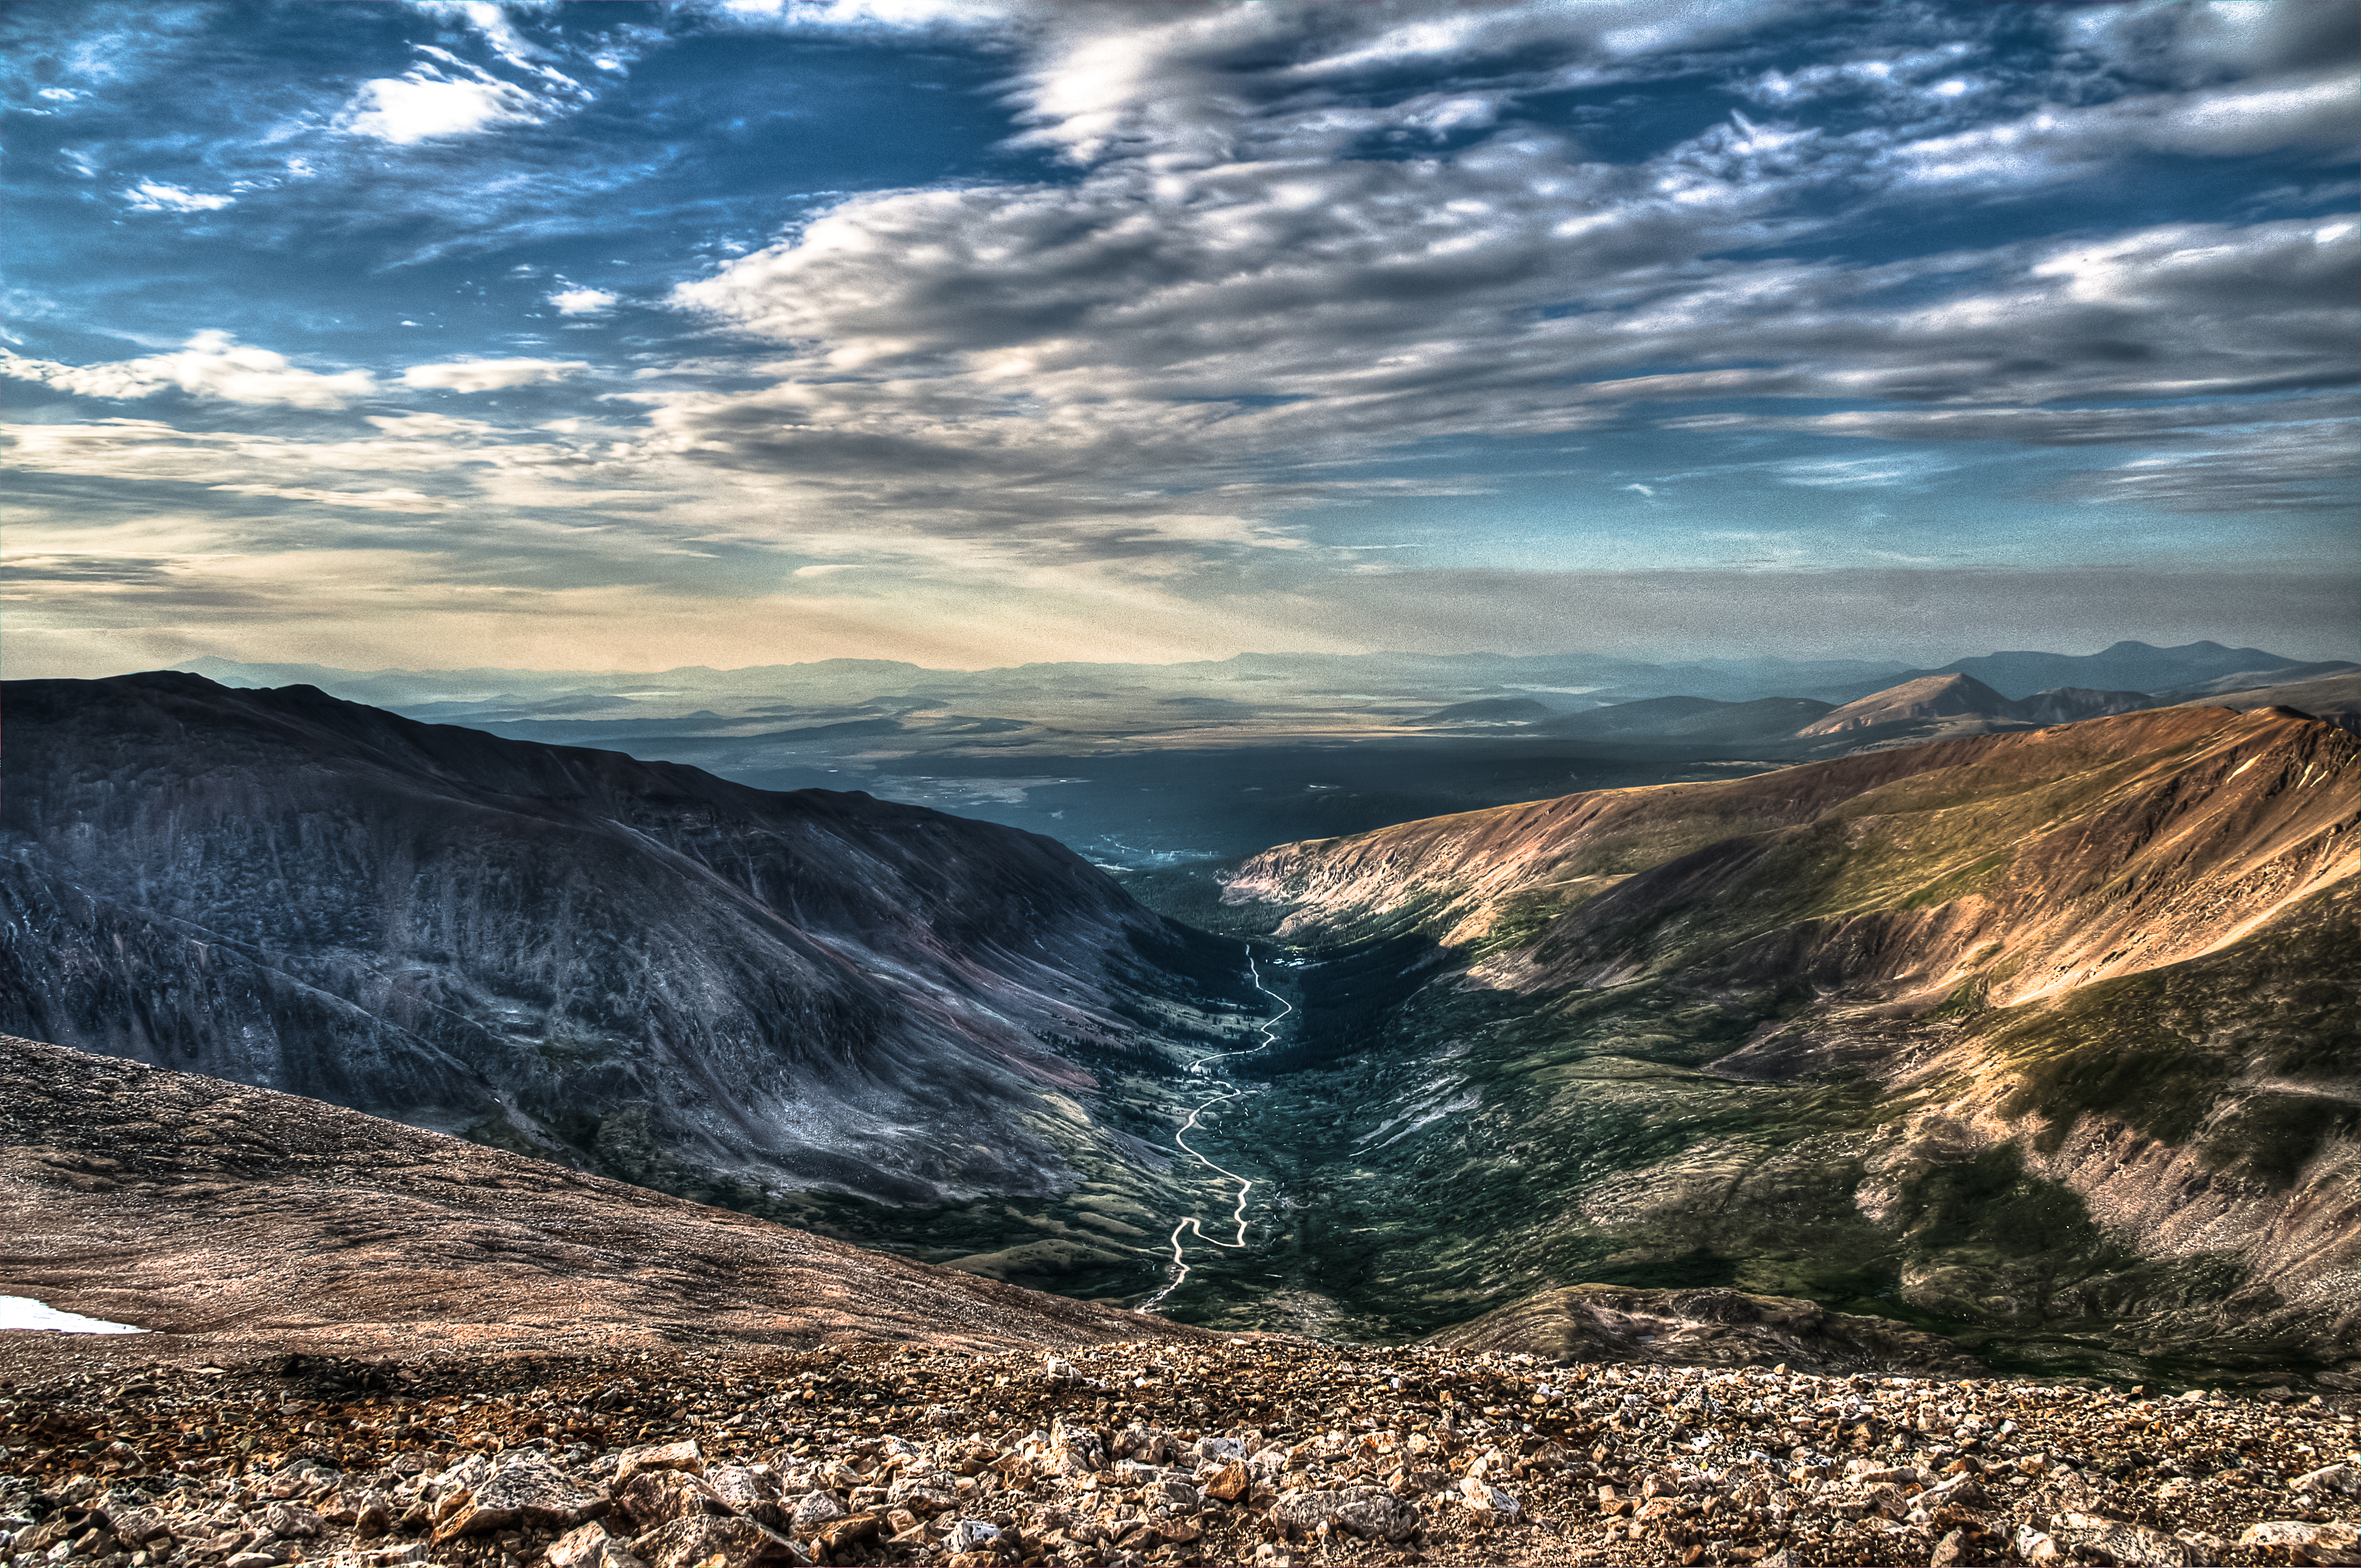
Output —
(1262, 1450)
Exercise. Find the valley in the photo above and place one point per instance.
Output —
(2035, 1038)
(2044, 1043)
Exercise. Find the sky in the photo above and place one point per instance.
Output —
(603, 335)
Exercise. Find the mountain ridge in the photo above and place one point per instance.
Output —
(625, 965)
(2044, 1029)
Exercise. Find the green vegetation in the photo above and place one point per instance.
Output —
(1450, 1147)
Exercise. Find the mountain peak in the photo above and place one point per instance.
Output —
(1929, 697)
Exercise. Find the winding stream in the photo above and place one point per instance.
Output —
(1180, 1137)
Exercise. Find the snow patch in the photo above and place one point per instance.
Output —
(24, 1313)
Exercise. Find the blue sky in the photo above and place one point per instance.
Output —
(609, 335)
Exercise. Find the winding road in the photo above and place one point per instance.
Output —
(1180, 1137)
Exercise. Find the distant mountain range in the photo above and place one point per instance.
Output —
(1964, 697)
(1143, 765)
(1251, 696)
(1922, 709)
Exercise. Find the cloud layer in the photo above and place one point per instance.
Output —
(1240, 314)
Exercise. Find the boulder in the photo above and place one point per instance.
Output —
(714, 1540)
(750, 1494)
(2329, 1480)
(931, 1492)
(1230, 1483)
(2296, 1541)
(289, 1521)
(659, 1496)
(2128, 1545)
(1379, 1518)
(1487, 1499)
(972, 1535)
(682, 1456)
(1362, 1511)
(591, 1546)
(521, 1488)
(837, 1534)
(816, 1510)
(1174, 1494)
(134, 1527)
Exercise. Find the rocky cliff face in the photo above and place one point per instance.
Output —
(625, 965)
(2035, 1036)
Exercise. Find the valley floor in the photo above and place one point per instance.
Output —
(1268, 1450)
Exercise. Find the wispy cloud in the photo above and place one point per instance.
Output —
(213, 366)
(490, 374)
(151, 196)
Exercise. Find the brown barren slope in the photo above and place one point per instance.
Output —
(198, 1207)
(1929, 697)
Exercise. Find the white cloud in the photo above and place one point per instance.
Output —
(2055, 142)
(443, 96)
(213, 365)
(490, 374)
(365, 500)
(427, 427)
(580, 302)
(1847, 473)
(152, 197)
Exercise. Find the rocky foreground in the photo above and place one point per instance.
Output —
(1263, 1450)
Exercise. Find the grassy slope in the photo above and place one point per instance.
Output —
(1575, 1133)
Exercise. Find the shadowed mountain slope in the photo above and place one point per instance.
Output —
(2335, 698)
(191, 1206)
(1692, 718)
(2051, 1039)
(629, 966)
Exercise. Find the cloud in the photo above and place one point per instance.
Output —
(579, 301)
(1848, 473)
(490, 374)
(2255, 471)
(2176, 423)
(151, 197)
(1285, 241)
(2055, 143)
(213, 366)
(367, 500)
(1232, 280)
(445, 96)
